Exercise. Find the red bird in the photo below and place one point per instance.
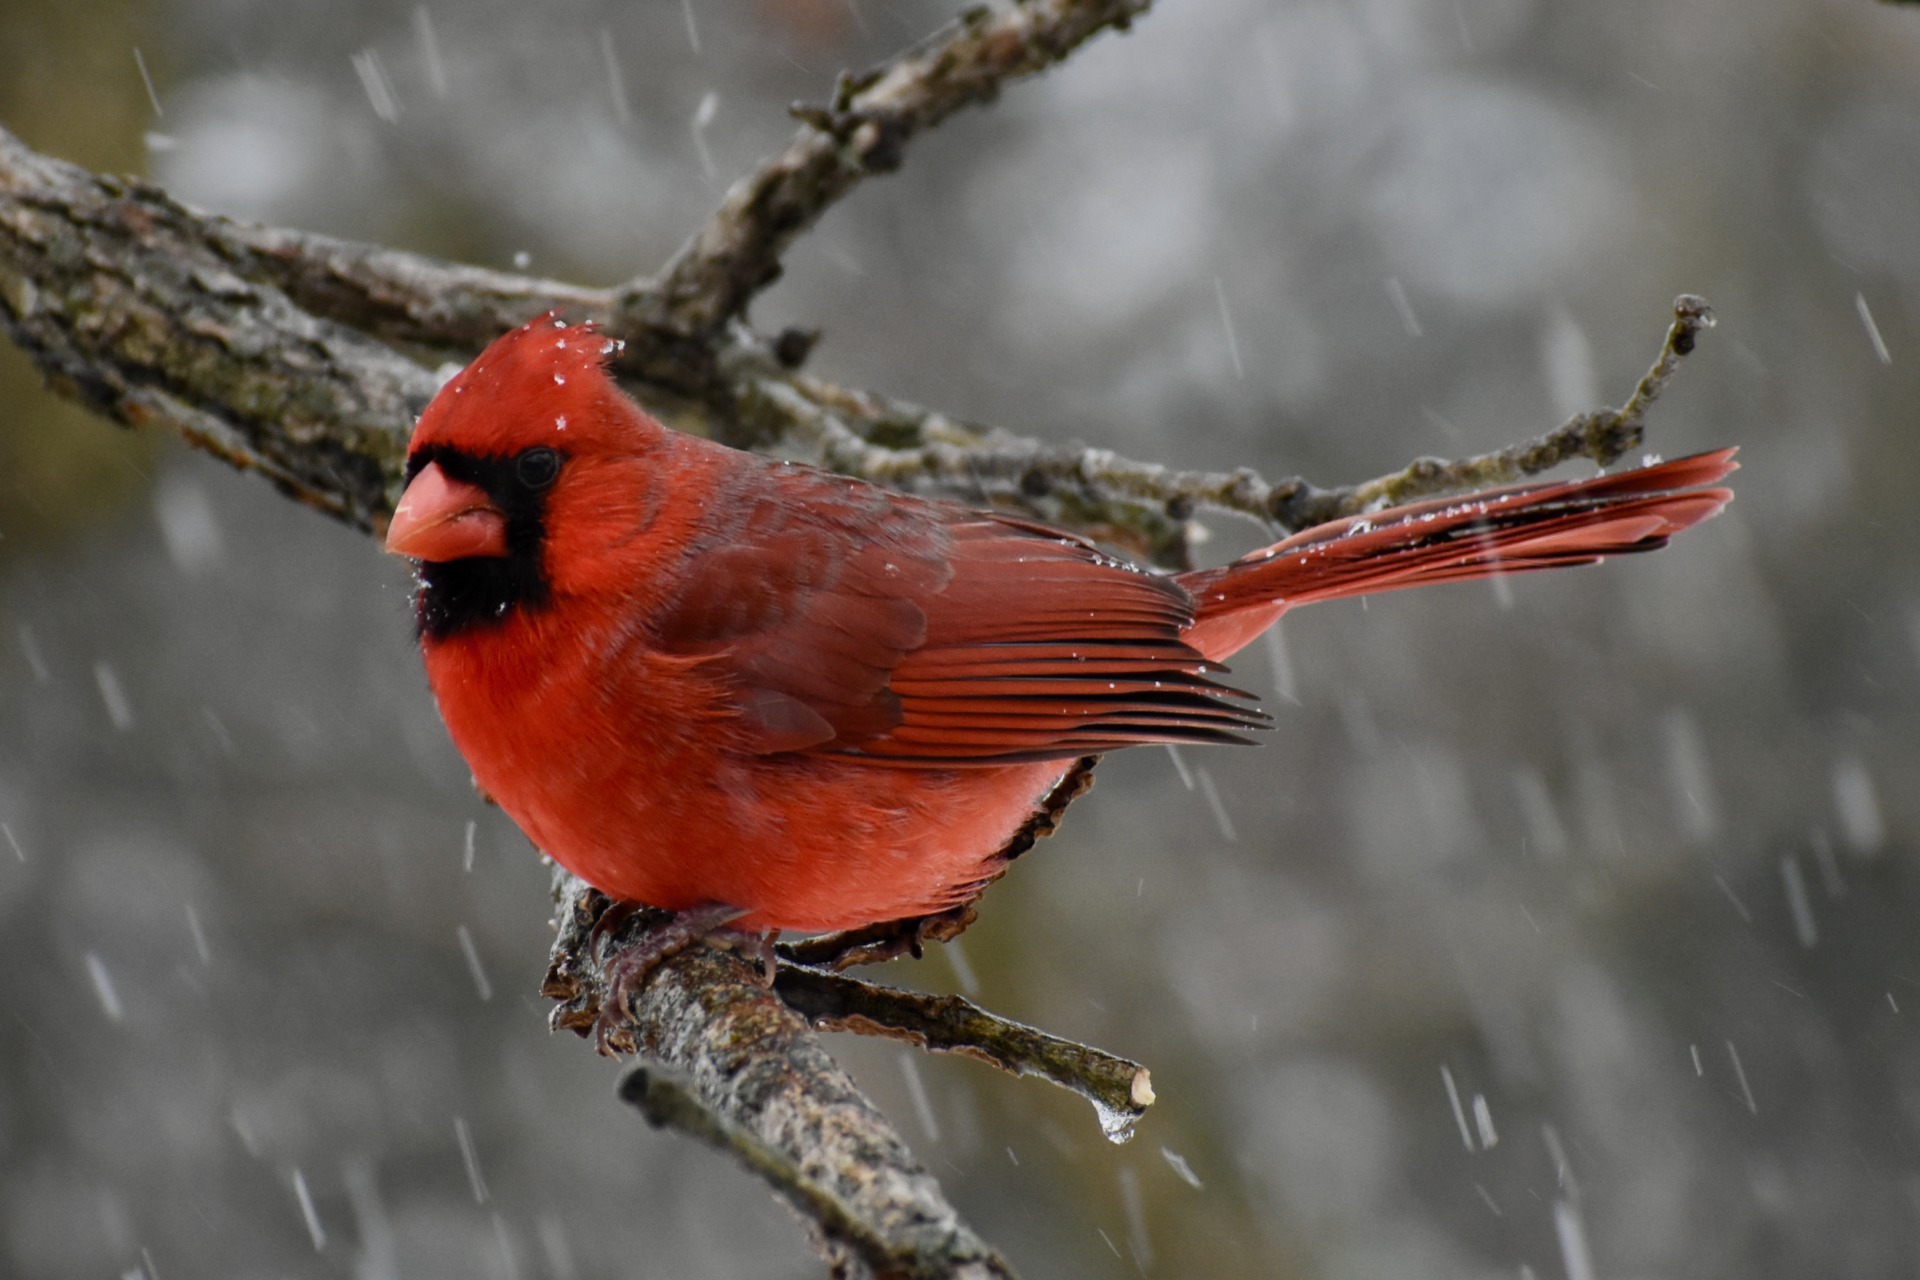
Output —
(767, 695)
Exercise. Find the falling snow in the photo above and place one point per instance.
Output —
(1626, 848)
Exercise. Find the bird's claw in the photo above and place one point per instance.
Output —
(628, 969)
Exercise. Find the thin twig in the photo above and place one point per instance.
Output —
(862, 132)
(1605, 436)
(876, 943)
(1120, 1090)
(948, 454)
(1691, 315)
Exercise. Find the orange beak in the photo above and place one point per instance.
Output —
(443, 519)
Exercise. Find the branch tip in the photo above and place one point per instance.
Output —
(1120, 1090)
(1149, 504)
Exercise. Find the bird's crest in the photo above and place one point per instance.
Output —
(545, 383)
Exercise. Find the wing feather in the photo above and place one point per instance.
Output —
(846, 620)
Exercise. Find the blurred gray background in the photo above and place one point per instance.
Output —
(1558, 930)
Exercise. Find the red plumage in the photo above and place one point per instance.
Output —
(698, 676)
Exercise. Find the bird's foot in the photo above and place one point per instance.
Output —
(608, 923)
(627, 970)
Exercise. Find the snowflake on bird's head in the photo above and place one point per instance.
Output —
(544, 383)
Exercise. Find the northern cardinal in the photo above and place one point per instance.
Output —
(764, 694)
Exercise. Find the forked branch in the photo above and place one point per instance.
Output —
(730, 1063)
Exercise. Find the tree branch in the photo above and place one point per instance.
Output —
(948, 454)
(1120, 1091)
(839, 1226)
(863, 131)
(1604, 436)
(742, 1071)
(125, 300)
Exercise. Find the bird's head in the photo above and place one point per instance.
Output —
(531, 443)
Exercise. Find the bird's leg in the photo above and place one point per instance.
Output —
(627, 970)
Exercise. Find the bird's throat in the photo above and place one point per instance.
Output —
(461, 596)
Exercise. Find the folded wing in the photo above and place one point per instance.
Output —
(846, 621)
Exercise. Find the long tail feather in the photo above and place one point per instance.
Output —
(1509, 530)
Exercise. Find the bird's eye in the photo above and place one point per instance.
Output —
(537, 467)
